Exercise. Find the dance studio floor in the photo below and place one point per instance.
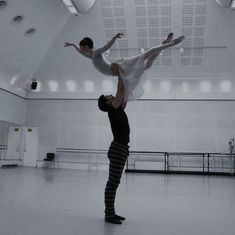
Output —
(70, 202)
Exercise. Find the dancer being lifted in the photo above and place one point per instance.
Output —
(129, 69)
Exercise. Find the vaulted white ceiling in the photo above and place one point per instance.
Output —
(209, 50)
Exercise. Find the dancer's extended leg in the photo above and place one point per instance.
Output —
(148, 56)
(157, 50)
(150, 59)
(151, 54)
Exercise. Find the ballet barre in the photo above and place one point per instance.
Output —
(81, 151)
(170, 162)
(3, 147)
(4, 162)
(174, 162)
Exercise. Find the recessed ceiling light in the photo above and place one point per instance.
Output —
(205, 86)
(165, 86)
(17, 19)
(30, 32)
(53, 85)
(71, 85)
(89, 86)
(3, 4)
(78, 6)
(226, 3)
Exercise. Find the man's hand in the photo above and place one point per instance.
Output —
(68, 44)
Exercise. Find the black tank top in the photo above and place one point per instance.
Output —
(119, 125)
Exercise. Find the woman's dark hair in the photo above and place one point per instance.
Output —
(86, 41)
(102, 104)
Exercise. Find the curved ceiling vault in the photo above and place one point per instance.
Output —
(28, 30)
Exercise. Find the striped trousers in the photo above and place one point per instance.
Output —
(117, 155)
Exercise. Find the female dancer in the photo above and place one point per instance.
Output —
(130, 69)
(99, 60)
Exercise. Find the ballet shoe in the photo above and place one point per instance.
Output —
(113, 220)
(119, 217)
(168, 39)
(177, 40)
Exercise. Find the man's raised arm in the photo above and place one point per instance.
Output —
(119, 98)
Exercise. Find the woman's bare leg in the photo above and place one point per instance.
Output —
(158, 49)
(152, 53)
(151, 59)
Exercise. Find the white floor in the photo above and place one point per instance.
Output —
(68, 202)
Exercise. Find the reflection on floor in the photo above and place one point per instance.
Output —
(68, 202)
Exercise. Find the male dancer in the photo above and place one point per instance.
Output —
(118, 150)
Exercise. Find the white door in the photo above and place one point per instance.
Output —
(14, 143)
(31, 146)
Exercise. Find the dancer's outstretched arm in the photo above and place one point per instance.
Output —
(109, 44)
(70, 44)
(119, 97)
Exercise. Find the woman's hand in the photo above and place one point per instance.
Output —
(119, 35)
(68, 44)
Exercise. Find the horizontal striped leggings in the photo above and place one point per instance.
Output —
(117, 155)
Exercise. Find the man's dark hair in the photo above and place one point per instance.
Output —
(102, 104)
(86, 41)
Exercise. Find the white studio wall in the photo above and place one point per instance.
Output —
(194, 126)
(157, 89)
(12, 108)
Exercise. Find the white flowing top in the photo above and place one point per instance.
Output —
(99, 60)
(131, 71)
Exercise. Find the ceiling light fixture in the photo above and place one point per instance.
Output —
(71, 7)
(181, 50)
(233, 5)
(78, 6)
(68, 2)
(17, 19)
(229, 4)
(30, 32)
(3, 4)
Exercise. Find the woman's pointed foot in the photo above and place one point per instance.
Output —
(168, 39)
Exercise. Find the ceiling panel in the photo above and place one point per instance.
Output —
(209, 50)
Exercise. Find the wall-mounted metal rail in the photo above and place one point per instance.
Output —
(170, 162)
